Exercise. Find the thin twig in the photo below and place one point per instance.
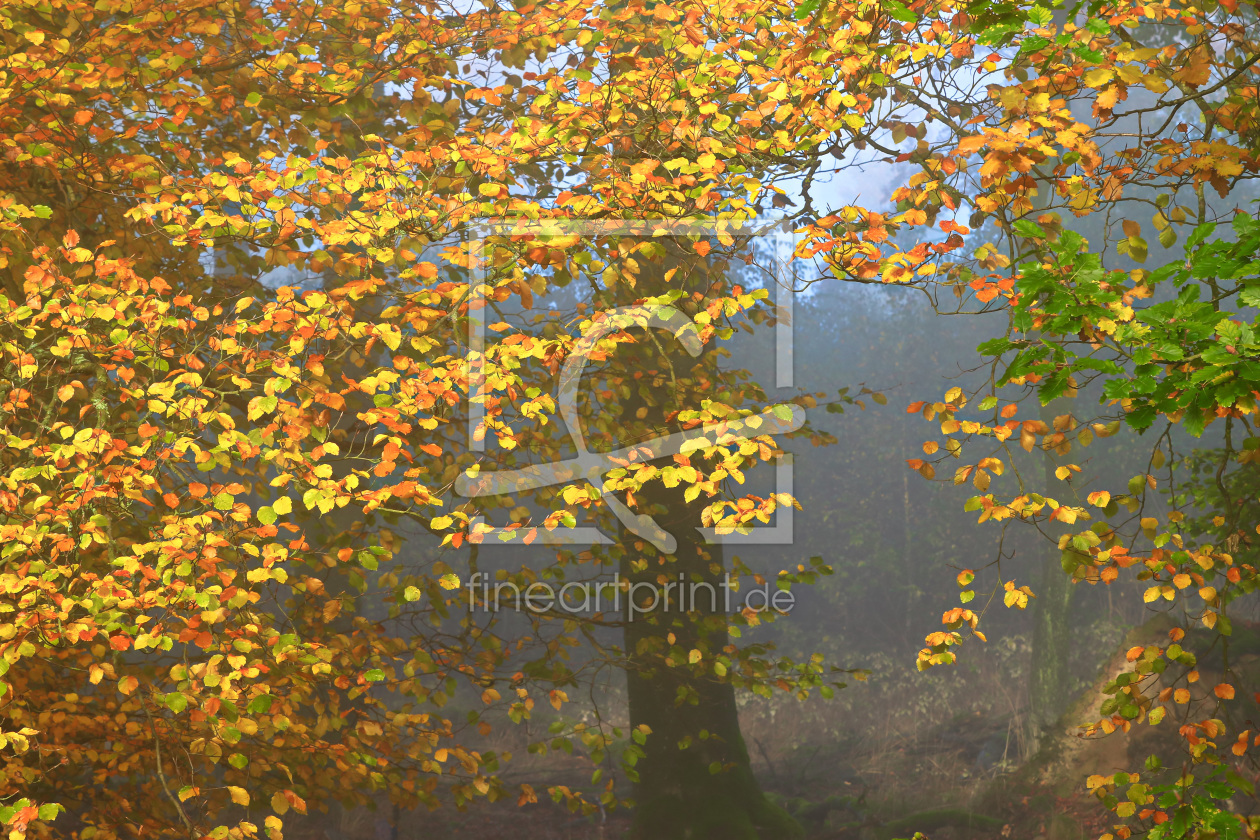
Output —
(157, 751)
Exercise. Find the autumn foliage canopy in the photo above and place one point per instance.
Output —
(237, 287)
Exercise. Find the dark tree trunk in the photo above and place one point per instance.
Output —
(695, 780)
(689, 786)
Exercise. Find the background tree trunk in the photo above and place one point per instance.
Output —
(1048, 689)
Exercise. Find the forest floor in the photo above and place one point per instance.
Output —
(950, 785)
(846, 775)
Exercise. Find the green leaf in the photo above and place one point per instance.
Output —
(1040, 16)
(1029, 230)
(253, 99)
(176, 702)
(805, 9)
(1098, 26)
(266, 515)
(260, 704)
(896, 11)
(374, 675)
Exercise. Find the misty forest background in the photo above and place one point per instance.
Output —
(898, 748)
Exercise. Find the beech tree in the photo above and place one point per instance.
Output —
(202, 468)
(206, 473)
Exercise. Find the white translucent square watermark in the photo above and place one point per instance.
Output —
(588, 466)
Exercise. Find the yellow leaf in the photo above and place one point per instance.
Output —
(279, 803)
(449, 581)
(694, 657)
(391, 335)
(1098, 77)
(239, 795)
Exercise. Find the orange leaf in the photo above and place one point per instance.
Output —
(1225, 691)
(970, 145)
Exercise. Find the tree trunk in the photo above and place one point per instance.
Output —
(1048, 670)
(695, 780)
(689, 785)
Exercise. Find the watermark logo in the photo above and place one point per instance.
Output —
(588, 466)
(641, 597)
